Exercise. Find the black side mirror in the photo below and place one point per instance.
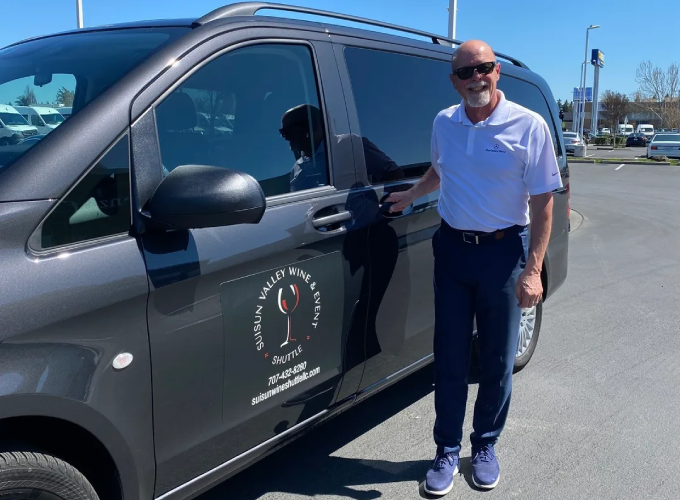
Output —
(199, 196)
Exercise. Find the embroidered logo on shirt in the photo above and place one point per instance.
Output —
(496, 149)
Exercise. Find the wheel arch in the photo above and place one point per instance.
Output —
(64, 428)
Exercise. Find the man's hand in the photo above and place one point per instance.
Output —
(529, 289)
(401, 200)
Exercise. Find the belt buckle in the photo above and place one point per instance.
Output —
(476, 240)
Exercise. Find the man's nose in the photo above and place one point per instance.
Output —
(476, 76)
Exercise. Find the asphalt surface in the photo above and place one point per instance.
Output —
(619, 153)
(594, 415)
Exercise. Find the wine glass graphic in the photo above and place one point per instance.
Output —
(286, 309)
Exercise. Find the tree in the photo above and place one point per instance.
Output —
(568, 107)
(559, 104)
(27, 98)
(662, 86)
(614, 108)
(65, 97)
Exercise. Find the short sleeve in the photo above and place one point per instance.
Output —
(434, 152)
(541, 174)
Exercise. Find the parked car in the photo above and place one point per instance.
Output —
(604, 131)
(664, 145)
(161, 331)
(43, 118)
(625, 130)
(571, 140)
(13, 126)
(646, 129)
(636, 139)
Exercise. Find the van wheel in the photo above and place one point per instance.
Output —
(529, 329)
(35, 476)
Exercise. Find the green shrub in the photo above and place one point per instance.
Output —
(607, 141)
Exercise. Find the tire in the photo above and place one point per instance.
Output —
(25, 475)
(524, 355)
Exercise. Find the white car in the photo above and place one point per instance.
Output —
(43, 118)
(13, 126)
(664, 145)
(571, 139)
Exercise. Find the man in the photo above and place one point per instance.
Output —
(302, 127)
(490, 157)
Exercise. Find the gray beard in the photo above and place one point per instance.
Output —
(479, 100)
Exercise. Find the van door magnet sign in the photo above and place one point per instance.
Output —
(283, 333)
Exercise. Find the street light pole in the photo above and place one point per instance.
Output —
(453, 13)
(585, 73)
(79, 13)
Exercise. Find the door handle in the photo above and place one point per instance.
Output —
(328, 220)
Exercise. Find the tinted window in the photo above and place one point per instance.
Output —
(397, 98)
(668, 137)
(256, 110)
(528, 95)
(68, 71)
(395, 113)
(98, 206)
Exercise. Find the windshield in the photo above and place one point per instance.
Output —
(69, 71)
(52, 118)
(667, 137)
(12, 119)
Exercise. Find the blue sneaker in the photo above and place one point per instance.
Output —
(485, 469)
(439, 479)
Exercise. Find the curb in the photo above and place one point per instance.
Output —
(607, 162)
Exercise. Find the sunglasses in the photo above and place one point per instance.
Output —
(467, 72)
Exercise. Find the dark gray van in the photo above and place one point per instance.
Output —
(197, 265)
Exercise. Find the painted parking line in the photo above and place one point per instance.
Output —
(620, 166)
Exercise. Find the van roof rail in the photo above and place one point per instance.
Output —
(251, 8)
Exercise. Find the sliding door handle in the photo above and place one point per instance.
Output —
(328, 220)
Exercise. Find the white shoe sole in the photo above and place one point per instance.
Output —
(441, 492)
(486, 486)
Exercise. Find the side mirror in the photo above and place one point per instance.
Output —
(199, 196)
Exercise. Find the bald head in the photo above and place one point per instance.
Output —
(472, 50)
(475, 74)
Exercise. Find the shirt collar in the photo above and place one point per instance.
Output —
(499, 115)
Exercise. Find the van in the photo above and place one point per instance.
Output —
(178, 301)
(43, 118)
(646, 129)
(625, 130)
(65, 111)
(13, 126)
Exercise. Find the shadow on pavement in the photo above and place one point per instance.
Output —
(305, 467)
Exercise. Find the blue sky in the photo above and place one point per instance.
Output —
(547, 35)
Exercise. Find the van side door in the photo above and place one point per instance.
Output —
(249, 324)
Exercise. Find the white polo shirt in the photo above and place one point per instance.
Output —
(488, 169)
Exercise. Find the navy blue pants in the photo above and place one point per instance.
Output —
(475, 280)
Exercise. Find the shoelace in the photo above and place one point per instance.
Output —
(485, 454)
(443, 460)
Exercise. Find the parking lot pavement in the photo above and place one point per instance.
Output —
(594, 415)
(623, 153)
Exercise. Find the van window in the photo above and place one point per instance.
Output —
(12, 119)
(98, 206)
(396, 114)
(530, 96)
(68, 71)
(254, 109)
